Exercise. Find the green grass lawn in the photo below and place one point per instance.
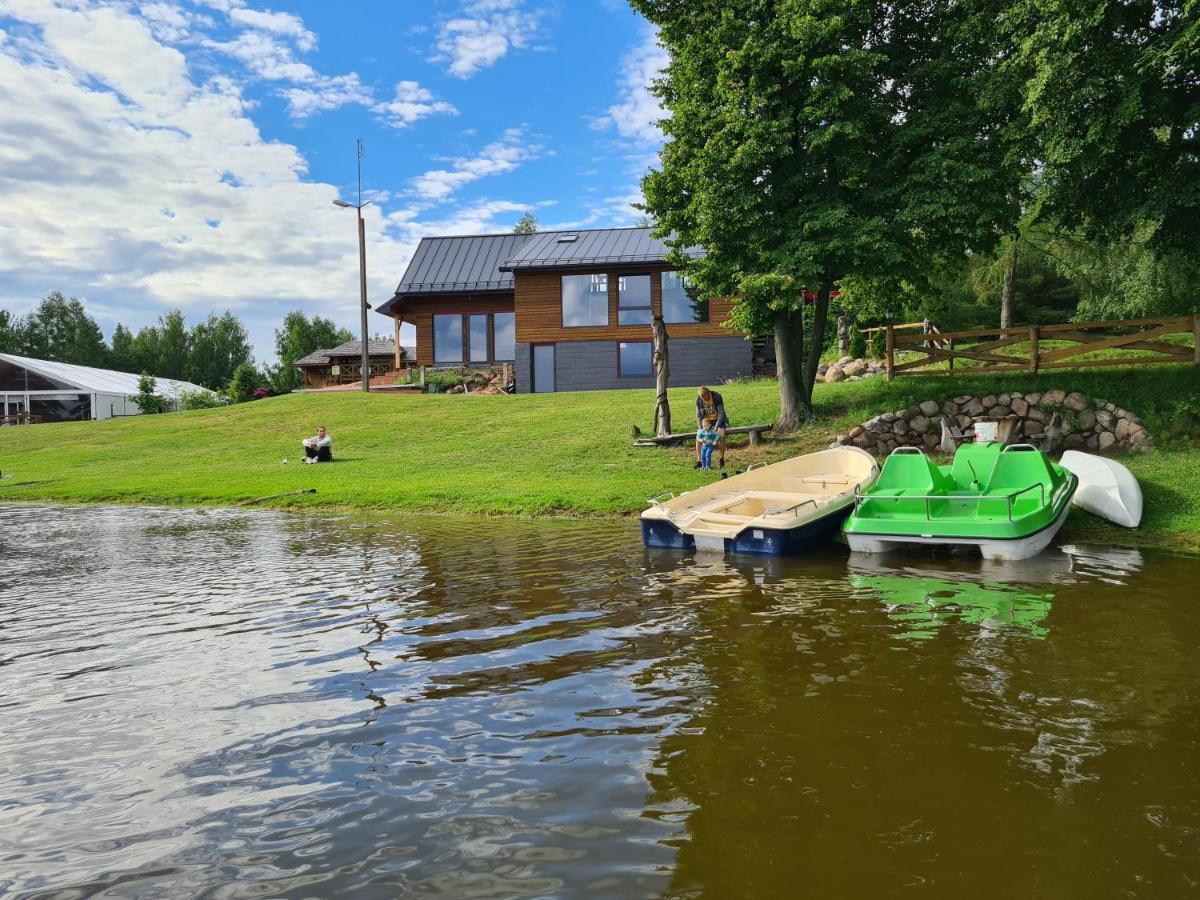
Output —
(543, 454)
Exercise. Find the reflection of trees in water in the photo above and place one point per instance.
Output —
(830, 758)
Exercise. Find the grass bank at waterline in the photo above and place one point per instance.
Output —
(534, 455)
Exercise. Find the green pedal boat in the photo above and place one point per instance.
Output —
(1009, 501)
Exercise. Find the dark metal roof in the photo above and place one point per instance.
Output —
(349, 349)
(590, 247)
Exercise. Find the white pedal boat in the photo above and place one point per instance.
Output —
(782, 508)
(1106, 488)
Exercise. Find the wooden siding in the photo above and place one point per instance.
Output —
(419, 312)
(539, 310)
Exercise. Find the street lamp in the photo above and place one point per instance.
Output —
(362, 268)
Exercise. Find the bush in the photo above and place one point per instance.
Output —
(878, 344)
(858, 343)
(199, 400)
(242, 384)
(145, 399)
(443, 381)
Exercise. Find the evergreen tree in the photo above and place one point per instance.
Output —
(121, 351)
(12, 333)
(242, 384)
(174, 345)
(60, 329)
(527, 224)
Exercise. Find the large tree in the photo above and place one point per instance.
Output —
(60, 329)
(218, 346)
(1113, 88)
(12, 333)
(299, 337)
(811, 140)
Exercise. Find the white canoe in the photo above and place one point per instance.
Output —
(1106, 488)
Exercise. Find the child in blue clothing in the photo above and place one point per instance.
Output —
(706, 441)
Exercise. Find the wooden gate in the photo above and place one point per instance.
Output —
(1024, 348)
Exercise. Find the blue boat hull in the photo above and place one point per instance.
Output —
(763, 541)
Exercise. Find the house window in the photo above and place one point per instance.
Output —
(633, 300)
(504, 337)
(477, 328)
(633, 358)
(448, 340)
(679, 303)
(584, 300)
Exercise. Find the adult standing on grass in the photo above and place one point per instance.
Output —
(710, 404)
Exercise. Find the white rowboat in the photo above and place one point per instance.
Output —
(1106, 488)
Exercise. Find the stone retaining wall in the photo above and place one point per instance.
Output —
(1052, 420)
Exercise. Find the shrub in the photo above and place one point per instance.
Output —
(242, 384)
(878, 344)
(145, 399)
(858, 343)
(443, 381)
(199, 400)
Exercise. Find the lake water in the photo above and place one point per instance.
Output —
(243, 704)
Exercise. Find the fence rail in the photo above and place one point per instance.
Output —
(1025, 352)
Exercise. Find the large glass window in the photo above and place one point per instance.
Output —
(633, 358)
(505, 337)
(478, 330)
(633, 300)
(448, 340)
(61, 407)
(18, 378)
(584, 300)
(679, 302)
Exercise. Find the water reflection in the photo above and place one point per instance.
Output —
(227, 703)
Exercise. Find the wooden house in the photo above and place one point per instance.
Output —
(570, 309)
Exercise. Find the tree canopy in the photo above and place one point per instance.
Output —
(810, 140)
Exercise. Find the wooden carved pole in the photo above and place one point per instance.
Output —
(662, 373)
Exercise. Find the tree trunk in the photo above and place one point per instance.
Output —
(808, 375)
(662, 372)
(1006, 293)
(789, 343)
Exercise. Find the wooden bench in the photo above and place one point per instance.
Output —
(755, 432)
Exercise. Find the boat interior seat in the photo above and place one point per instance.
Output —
(912, 473)
(973, 465)
(826, 485)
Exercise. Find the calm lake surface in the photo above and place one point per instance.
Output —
(237, 704)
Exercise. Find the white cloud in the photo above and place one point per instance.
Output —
(636, 113)
(327, 93)
(284, 24)
(410, 103)
(501, 156)
(482, 33)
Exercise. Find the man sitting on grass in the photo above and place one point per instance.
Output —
(318, 448)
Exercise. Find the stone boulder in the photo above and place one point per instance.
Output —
(834, 374)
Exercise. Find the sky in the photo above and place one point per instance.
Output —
(159, 155)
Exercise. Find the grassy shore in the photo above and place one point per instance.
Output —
(531, 455)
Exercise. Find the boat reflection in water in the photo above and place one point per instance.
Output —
(993, 595)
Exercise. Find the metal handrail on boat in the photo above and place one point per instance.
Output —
(777, 510)
(860, 498)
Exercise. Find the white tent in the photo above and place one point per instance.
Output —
(57, 391)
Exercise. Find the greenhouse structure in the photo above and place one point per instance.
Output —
(35, 390)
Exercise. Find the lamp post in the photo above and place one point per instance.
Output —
(362, 268)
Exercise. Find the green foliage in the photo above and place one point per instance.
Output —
(174, 346)
(218, 345)
(121, 354)
(443, 380)
(12, 333)
(527, 224)
(243, 383)
(878, 344)
(815, 140)
(60, 329)
(1111, 89)
(858, 343)
(299, 337)
(199, 399)
(146, 399)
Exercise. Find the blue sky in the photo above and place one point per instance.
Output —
(186, 154)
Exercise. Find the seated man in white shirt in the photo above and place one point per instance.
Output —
(318, 448)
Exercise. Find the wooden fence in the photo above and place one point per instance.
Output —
(1024, 351)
